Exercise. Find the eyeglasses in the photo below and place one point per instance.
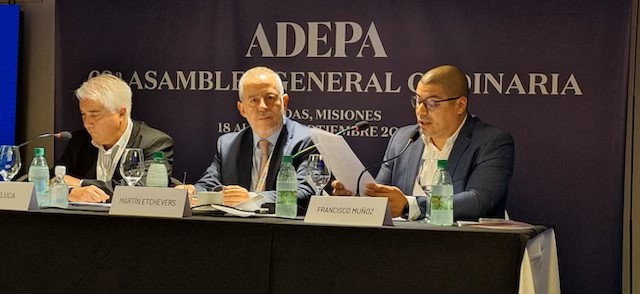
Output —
(270, 100)
(430, 103)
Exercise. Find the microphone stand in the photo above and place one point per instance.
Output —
(414, 137)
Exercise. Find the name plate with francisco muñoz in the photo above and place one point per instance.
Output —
(18, 196)
(348, 210)
(150, 201)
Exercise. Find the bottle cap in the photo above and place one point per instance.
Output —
(38, 151)
(60, 170)
(442, 164)
(158, 155)
(287, 159)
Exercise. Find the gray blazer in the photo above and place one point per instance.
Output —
(480, 164)
(232, 162)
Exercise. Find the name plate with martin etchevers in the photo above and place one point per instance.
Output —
(348, 210)
(17, 196)
(150, 201)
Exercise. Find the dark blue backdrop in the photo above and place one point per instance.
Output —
(553, 73)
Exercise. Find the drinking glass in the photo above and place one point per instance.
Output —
(132, 165)
(10, 162)
(318, 172)
(426, 187)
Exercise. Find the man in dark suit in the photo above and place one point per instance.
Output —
(92, 156)
(480, 157)
(249, 160)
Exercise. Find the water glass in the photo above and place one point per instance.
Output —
(10, 162)
(318, 172)
(132, 165)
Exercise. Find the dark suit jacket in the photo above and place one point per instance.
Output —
(480, 165)
(81, 157)
(233, 162)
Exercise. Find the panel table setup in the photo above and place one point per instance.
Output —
(64, 248)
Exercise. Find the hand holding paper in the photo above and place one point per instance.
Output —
(343, 163)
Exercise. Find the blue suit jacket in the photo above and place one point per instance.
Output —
(480, 165)
(232, 162)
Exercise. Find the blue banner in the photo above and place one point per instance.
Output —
(9, 38)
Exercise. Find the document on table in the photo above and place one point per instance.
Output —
(89, 206)
(343, 163)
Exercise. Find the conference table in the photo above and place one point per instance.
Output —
(62, 249)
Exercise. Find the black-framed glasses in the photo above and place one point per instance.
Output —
(270, 100)
(430, 103)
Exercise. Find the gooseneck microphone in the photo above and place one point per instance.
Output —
(359, 126)
(64, 135)
(414, 137)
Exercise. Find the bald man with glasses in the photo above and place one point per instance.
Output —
(249, 160)
(480, 157)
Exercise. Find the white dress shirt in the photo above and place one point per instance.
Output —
(430, 156)
(108, 159)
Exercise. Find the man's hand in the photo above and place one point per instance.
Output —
(339, 189)
(88, 194)
(233, 195)
(71, 181)
(397, 200)
(191, 189)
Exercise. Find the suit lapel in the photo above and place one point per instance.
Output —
(133, 142)
(244, 160)
(461, 144)
(276, 159)
(412, 167)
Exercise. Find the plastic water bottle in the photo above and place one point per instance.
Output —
(157, 175)
(441, 196)
(287, 189)
(39, 175)
(59, 189)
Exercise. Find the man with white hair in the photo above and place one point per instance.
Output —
(249, 160)
(92, 157)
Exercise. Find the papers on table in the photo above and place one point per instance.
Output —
(89, 206)
(243, 209)
(343, 163)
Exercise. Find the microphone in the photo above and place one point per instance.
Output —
(414, 137)
(359, 126)
(64, 135)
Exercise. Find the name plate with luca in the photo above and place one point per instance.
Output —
(17, 196)
(150, 201)
(353, 211)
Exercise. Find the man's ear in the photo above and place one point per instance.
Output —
(285, 100)
(461, 105)
(122, 112)
(241, 109)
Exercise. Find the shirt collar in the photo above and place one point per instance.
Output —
(122, 141)
(451, 140)
(273, 138)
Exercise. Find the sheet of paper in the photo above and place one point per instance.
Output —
(252, 204)
(343, 163)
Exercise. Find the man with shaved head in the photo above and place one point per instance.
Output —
(480, 157)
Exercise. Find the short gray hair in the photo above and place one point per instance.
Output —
(111, 91)
(260, 70)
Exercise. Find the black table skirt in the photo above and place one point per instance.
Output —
(59, 249)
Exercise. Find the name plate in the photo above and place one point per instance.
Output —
(353, 211)
(150, 201)
(20, 196)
